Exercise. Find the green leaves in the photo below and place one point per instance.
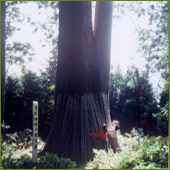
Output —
(12, 158)
(162, 119)
(138, 152)
(17, 53)
(153, 40)
(132, 99)
(52, 161)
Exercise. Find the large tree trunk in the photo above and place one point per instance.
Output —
(82, 105)
(2, 59)
(102, 38)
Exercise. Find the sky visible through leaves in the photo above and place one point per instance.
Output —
(124, 43)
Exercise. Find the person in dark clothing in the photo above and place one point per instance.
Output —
(102, 134)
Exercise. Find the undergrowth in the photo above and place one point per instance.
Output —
(137, 152)
(12, 145)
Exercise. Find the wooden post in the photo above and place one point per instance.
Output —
(35, 131)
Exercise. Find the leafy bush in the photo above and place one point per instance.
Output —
(11, 158)
(138, 152)
(17, 163)
(11, 147)
(162, 119)
(52, 161)
(49, 161)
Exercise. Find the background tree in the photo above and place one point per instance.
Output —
(2, 59)
(153, 39)
(132, 100)
(16, 52)
(155, 47)
(13, 114)
(155, 44)
(10, 15)
(81, 105)
(117, 86)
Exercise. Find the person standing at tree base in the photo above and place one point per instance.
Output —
(112, 136)
(102, 134)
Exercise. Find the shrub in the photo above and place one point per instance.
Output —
(138, 152)
(11, 154)
(49, 161)
(16, 163)
(52, 161)
(10, 151)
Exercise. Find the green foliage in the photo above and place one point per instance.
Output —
(50, 26)
(16, 52)
(13, 16)
(19, 95)
(138, 152)
(154, 46)
(20, 92)
(162, 119)
(52, 161)
(19, 54)
(132, 99)
(17, 163)
(11, 147)
(153, 40)
(49, 161)
(12, 157)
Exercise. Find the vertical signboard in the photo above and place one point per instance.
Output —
(35, 131)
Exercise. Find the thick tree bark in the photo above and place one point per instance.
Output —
(102, 38)
(2, 59)
(80, 109)
(74, 48)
